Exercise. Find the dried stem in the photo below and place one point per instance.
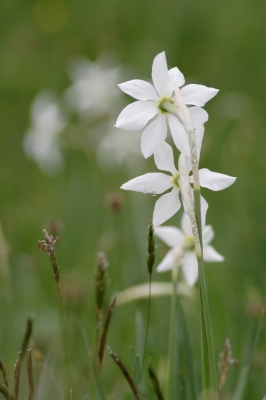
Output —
(105, 330)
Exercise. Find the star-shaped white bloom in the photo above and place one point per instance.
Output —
(156, 183)
(148, 109)
(182, 242)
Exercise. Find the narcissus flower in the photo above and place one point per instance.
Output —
(182, 243)
(157, 182)
(149, 111)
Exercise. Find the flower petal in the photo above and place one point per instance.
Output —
(207, 235)
(214, 180)
(165, 207)
(153, 183)
(160, 76)
(152, 135)
(179, 135)
(170, 235)
(197, 95)
(186, 225)
(190, 267)
(199, 116)
(211, 255)
(176, 76)
(136, 115)
(164, 158)
(140, 90)
(204, 207)
(167, 263)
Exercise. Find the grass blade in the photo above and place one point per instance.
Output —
(188, 354)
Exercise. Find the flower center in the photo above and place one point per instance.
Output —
(164, 103)
(176, 180)
(188, 243)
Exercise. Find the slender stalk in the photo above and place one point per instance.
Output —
(147, 328)
(66, 343)
(171, 340)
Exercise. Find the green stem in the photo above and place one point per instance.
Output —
(66, 344)
(171, 340)
(147, 328)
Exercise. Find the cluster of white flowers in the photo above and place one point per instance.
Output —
(93, 100)
(158, 107)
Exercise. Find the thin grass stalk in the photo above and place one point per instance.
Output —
(125, 372)
(3, 370)
(171, 340)
(147, 328)
(21, 356)
(30, 375)
(105, 330)
(155, 384)
(242, 382)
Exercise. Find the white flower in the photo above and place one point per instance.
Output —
(148, 110)
(47, 122)
(117, 149)
(183, 240)
(156, 183)
(93, 93)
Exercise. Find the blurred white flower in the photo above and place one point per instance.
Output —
(182, 241)
(118, 148)
(150, 105)
(93, 93)
(47, 122)
(156, 183)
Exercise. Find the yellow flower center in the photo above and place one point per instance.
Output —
(176, 179)
(162, 104)
(188, 243)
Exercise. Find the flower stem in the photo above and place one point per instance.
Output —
(209, 376)
(147, 328)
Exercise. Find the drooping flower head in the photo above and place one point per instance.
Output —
(149, 110)
(182, 241)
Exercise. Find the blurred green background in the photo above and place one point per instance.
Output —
(221, 44)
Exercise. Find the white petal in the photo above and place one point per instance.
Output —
(204, 207)
(179, 135)
(207, 235)
(153, 134)
(164, 158)
(199, 116)
(211, 255)
(139, 89)
(160, 76)
(167, 263)
(165, 207)
(190, 267)
(136, 115)
(170, 235)
(176, 76)
(214, 180)
(153, 183)
(186, 225)
(197, 95)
